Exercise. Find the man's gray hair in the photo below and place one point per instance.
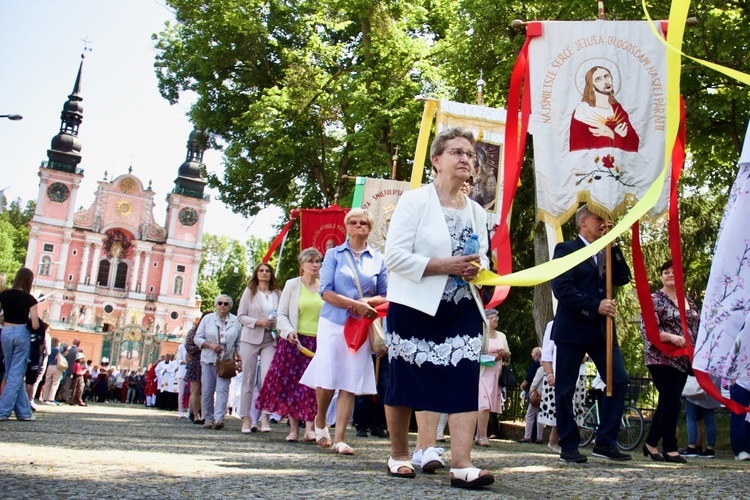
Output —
(582, 212)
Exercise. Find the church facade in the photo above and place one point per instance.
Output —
(112, 266)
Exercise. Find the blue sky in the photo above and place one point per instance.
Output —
(125, 119)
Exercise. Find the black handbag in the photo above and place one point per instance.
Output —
(508, 377)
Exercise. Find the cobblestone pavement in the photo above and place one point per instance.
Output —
(119, 451)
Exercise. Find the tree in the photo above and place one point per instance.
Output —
(224, 268)
(301, 93)
(233, 276)
(8, 262)
(18, 218)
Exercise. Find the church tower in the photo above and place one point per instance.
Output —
(110, 274)
(60, 179)
(186, 211)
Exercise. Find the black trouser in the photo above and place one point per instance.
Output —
(569, 358)
(369, 414)
(669, 381)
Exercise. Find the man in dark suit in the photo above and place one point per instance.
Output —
(579, 329)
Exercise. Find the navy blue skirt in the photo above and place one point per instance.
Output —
(435, 359)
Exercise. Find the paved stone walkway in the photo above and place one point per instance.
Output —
(122, 451)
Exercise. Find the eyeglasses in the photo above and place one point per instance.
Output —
(358, 223)
(264, 270)
(312, 261)
(459, 153)
(222, 304)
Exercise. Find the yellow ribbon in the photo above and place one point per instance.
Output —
(417, 169)
(683, 5)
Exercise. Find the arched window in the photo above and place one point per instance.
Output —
(44, 266)
(121, 277)
(103, 276)
(178, 285)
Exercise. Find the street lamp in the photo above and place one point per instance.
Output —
(15, 118)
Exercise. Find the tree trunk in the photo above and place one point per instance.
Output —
(542, 306)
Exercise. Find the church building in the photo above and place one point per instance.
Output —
(112, 267)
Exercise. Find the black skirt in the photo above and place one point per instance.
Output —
(435, 359)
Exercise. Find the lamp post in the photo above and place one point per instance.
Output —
(15, 118)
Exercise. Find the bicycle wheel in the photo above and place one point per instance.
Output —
(631, 428)
(587, 429)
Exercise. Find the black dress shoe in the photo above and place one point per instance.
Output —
(610, 452)
(199, 421)
(677, 459)
(380, 432)
(654, 456)
(573, 457)
(361, 433)
(524, 440)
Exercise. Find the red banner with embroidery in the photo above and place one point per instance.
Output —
(322, 228)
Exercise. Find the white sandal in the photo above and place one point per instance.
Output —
(320, 435)
(342, 448)
(469, 477)
(395, 465)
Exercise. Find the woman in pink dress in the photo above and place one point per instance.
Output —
(490, 397)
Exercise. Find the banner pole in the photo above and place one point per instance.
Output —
(610, 320)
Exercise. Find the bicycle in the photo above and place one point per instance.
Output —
(632, 426)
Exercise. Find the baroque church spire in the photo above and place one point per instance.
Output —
(189, 181)
(65, 151)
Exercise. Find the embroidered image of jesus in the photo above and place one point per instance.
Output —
(599, 121)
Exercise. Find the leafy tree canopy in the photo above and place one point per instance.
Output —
(300, 93)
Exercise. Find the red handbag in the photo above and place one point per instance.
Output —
(355, 332)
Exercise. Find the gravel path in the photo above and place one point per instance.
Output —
(123, 451)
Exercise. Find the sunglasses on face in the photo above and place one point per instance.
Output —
(264, 270)
(358, 223)
(222, 304)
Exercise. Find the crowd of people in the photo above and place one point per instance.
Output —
(299, 352)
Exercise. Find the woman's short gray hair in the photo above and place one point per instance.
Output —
(438, 143)
(360, 212)
(223, 296)
(309, 253)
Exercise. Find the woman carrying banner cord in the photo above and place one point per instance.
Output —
(299, 311)
(435, 315)
(347, 268)
(669, 372)
(257, 315)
